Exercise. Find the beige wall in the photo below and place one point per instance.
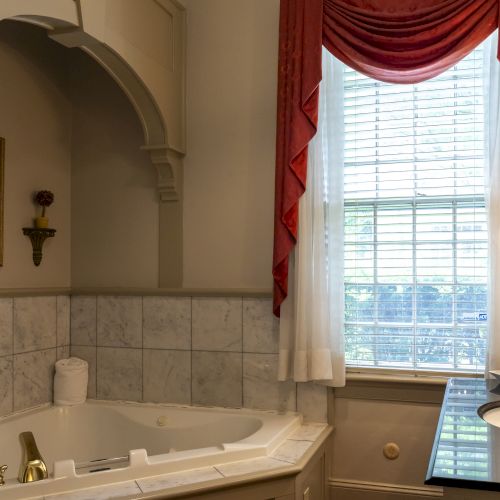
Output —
(69, 128)
(367, 415)
(35, 120)
(364, 426)
(114, 215)
(229, 168)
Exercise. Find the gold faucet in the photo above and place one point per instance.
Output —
(32, 467)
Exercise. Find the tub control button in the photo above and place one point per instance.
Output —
(162, 421)
(3, 468)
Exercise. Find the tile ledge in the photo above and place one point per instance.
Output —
(34, 292)
(212, 485)
(175, 292)
(260, 293)
(288, 469)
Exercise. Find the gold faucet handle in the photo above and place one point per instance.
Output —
(3, 468)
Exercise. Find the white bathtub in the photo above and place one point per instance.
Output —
(103, 442)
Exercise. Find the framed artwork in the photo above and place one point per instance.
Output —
(2, 158)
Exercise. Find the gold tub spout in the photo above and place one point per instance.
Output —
(32, 467)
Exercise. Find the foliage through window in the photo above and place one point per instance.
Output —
(415, 223)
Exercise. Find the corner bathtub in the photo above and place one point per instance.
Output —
(104, 442)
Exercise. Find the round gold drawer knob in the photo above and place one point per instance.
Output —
(162, 421)
(391, 451)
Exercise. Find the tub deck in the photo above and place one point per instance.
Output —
(232, 442)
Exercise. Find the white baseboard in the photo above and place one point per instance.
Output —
(367, 486)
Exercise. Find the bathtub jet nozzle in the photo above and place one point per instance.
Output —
(32, 467)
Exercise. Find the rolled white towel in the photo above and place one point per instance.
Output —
(70, 382)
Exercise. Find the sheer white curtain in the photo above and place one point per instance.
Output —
(312, 316)
(492, 187)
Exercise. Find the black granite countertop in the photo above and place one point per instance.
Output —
(466, 451)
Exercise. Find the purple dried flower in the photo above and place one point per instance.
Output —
(44, 199)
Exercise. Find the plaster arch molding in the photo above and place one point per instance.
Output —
(141, 45)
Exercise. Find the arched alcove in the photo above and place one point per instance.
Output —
(105, 31)
(69, 128)
(152, 121)
(114, 203)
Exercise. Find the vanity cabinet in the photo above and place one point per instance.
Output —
(310, 484)
(306, 481)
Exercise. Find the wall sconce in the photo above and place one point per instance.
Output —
(41, 231)
(38, 237)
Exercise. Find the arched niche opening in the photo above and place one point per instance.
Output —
(69, 127)
(114, 201)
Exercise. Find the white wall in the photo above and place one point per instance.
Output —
(363, 427)
(368, 415)
(229, 168)
(69, 128)
(114, 215)
(232, 50)
(35, 121)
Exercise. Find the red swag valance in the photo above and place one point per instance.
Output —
(399, 41)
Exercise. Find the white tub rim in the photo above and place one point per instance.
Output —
(140, 466)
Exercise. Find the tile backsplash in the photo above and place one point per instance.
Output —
(34, 333)
(209, 351)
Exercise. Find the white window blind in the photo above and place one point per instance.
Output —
(415, 224)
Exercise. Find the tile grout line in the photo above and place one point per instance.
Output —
(171, 349)
(296, 396)
(281, 460)
(138, 485)
(242, 358)
(215, 467)
(12, 374)
(301, 440)
(30, 352)
(142, 346)
(191, 345)
(70, 323)
(161, 349)
(95, 353)
(57, 326)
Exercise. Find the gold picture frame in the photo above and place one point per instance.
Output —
(2, 160)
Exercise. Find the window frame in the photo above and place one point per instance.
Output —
(385, 371)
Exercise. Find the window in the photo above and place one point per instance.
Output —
(415, 222)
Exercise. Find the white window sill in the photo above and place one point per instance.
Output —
(404, 377)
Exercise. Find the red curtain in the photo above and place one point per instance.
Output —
(399, 41)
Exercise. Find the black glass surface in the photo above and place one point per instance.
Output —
(466, 451)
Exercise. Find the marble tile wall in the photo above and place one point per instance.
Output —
(34, 333)
(207, 351)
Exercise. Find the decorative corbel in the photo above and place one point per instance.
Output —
(168, 164)
(38, 237)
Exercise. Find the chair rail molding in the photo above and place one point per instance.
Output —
(368, 487)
